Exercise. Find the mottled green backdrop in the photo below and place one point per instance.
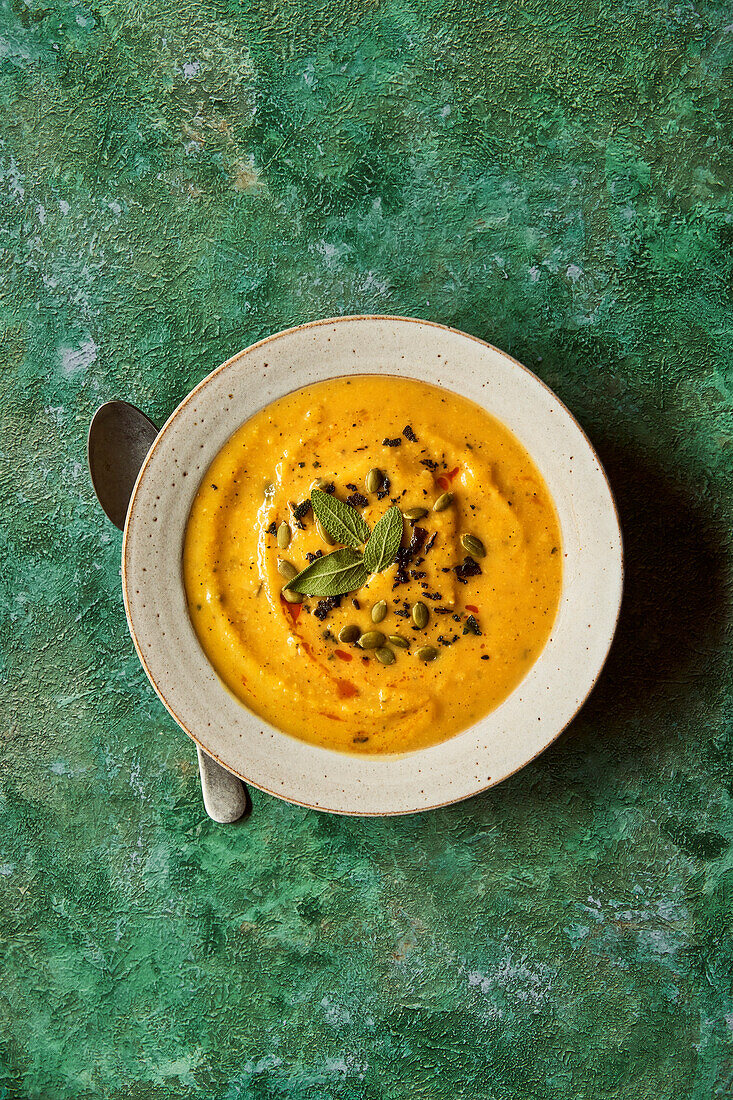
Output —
(181, 178)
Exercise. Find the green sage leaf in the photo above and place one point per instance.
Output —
(343, 523)
(384, 541)
(332, 575)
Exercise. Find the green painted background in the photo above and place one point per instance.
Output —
(180, 178)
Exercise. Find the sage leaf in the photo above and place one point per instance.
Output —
(342, 521)
(384, 542)
(332, 575)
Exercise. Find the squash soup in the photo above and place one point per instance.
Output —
(372, 563)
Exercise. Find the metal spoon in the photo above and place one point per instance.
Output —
(120, 437)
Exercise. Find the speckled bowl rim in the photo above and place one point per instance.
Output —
(306, 790)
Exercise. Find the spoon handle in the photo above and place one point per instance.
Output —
(119, 424)
(225, 796)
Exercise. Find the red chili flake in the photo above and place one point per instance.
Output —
(452, 473)
(444, 483)
(346, 689)
(470, 607)
(293, 609)
(344, 656)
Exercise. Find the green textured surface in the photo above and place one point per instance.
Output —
(180, 179)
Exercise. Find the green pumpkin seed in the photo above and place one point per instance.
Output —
(399, 641)
(349, 634)
(473, 546)
(287, 570)
(414, 514)
(292, 597)
(283, 536)
(385, 655)
(442, 502)
(373, 481)
(323, 533)
(373, 639)
(420, 614)
(379, 611)
(318, 483)
(426, 653)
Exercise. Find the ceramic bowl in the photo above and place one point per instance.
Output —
(502, 742)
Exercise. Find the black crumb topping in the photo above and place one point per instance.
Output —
(440, 610)
(471, 626)
(299, 511)
(357, 500)
(485, 657)
(272, 529)
(392, 442)
(383, 492)
(432, 596)
(431, 542)
(405, 614)
(350, 485)
(325, 606)
(418, 574)
(216, 487)
(467, 568)
(409, 434)
(314, 557)
(301, 465)
(330, 488)
(429, 463)
(405, 554)
(356, 604)
(417, 539)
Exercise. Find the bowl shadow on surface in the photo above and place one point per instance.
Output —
(670, 634)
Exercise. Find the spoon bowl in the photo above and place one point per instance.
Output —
(120, 436)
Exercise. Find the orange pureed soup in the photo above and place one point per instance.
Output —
(442, 633)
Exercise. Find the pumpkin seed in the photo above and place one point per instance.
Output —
(349, 634)
(473, 545)
(286, 569)
(373, 639)
(426, 653)
(379, 611)
(399, 641)
(442, 502)
(292, 597)
(283, 536)
(385, 655)
(324, 534)
(373, 480)
(414, 514)
(420, 614)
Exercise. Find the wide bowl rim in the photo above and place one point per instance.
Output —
(175, 414)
